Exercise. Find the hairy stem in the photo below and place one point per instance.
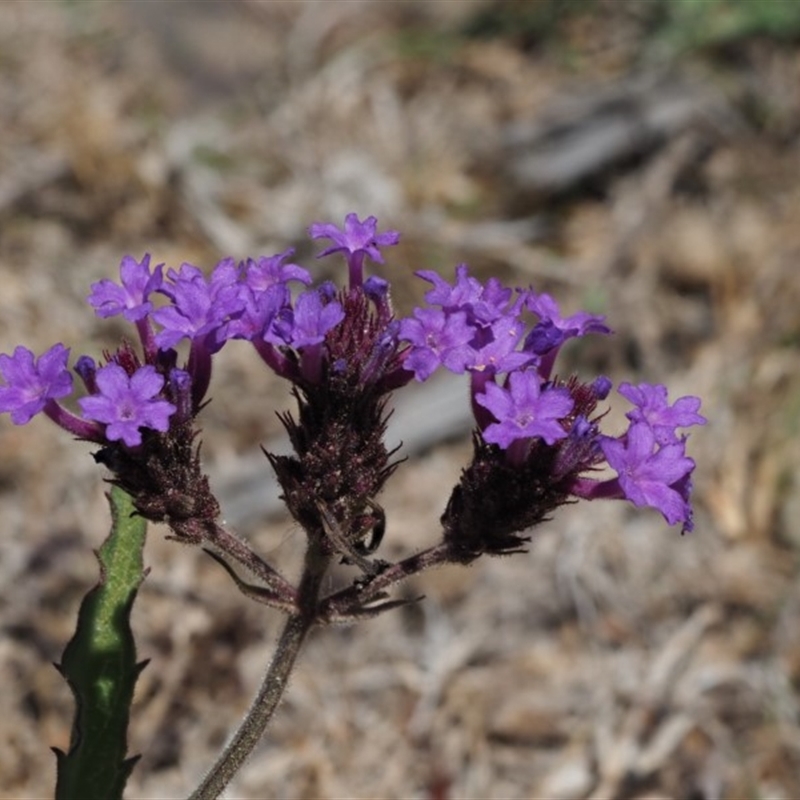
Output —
(275, 681)
(240, 551)
(347, 601)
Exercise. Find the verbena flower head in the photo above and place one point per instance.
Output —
(538, 438)
(341, 349)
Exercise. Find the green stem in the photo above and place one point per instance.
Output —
(99, 663)
(275, 681)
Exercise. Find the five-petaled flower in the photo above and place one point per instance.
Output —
(127, 403)
(356, 240)
(525, 410)
(132, 297)
(32, 382)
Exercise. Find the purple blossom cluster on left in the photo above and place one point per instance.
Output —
(528, 419)
(250, 300)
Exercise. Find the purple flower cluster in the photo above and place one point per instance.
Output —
(336, 344)
(250, 300)
(518, 405)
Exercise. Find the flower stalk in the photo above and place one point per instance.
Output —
(272, 688)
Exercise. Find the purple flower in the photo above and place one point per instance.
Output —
(357, 240)
(355, 237)
(438, 339)
(200, 309)
(525, 410)
(265, 272)
(652, 408)
(125, 404)
(31, 383)
(327, 291)
(499, 353)
(312, 319)
(650, 475)
(493, 302)
(131, 298)
(552, 329)
(483, 304)
(488, 313)
(466, 290)
(225, 275)
(260, 309)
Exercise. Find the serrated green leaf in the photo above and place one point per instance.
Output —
(99, 663)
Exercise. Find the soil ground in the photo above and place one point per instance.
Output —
(641, 160)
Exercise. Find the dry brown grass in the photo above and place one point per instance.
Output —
(616, 659)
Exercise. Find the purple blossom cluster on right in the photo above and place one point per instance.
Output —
(534, 417)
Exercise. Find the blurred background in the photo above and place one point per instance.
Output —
(640, 160)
